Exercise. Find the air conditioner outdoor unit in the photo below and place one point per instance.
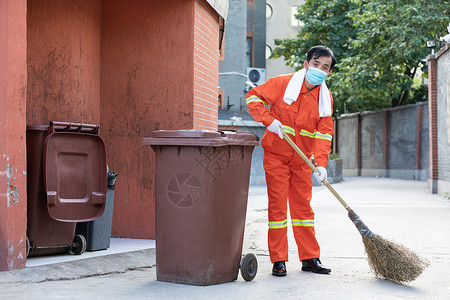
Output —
(256, 75)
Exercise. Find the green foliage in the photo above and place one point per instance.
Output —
(418, 94)
(379, 44)
(334, 156)
(325, 23)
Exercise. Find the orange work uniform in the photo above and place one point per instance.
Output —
(288, 177)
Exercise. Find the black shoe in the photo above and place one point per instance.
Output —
(279, 268)
(314, 265)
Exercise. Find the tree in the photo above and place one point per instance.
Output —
(326, 23)
(379, 44)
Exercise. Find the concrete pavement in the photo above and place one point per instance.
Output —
(401, 210)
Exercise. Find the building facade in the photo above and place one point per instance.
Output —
(281, 24)
(133, 67)
(244, 48)
(233, 57)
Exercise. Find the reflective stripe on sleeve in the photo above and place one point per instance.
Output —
(307, 133)
(303, 223)
(255, 99)
(289, 130)
(278, 224)
(316, 135)
(327, 137)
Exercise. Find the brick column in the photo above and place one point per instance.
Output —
(419, 125)
(13, 84)
(386, 144)
(206, 66)
(335, 135)
(432, 115)
(358, 145)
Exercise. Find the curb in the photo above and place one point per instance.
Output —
(83, 268)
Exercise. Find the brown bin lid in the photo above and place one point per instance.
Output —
(205, 134)
(241, 138)
(200, 138)
(75, 176)
(185, 138)
(38, 127)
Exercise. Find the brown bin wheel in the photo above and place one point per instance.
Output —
(79, 245)
(249, 266)
(28, 246)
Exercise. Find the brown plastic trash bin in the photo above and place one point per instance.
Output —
(201, 190)
(66, 183)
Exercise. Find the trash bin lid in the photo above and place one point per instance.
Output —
(241, 138)
(185, 138)
(75, 176)
(200, 138)
(186, 134)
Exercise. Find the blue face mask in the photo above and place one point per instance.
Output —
(315, 76)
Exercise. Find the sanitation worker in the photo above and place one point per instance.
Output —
(302, 105)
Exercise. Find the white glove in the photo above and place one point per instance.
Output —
(275, 128)
(323, 174)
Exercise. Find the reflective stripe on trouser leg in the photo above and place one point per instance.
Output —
(302, 215)
(277, 178)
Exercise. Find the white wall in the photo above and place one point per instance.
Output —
(279, 26)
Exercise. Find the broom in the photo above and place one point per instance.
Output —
(387, 259)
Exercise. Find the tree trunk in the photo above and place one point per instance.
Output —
(404, 97)
(404, 93)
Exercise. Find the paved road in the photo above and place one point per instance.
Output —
(403, 211)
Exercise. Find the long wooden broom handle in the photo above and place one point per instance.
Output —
(309, 163)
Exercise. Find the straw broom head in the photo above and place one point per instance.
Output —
(393, 261)
(387, 259)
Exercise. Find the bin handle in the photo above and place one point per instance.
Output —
(68, 126)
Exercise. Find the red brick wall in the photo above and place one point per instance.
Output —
(13, 90)
(159, 70)
(146, 85)
(63, 45)
(432, 115)
(206, 66)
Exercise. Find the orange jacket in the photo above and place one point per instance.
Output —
(301, 120)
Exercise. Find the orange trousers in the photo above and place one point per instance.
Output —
(293, 183)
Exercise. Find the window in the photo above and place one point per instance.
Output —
(249, 51)
(294, 21)
(268, 51)
(269, 11)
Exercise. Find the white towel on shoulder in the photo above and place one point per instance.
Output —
(293, 90)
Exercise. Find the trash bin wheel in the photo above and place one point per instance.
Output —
(249, 266)
(28, 246)
(79, 245)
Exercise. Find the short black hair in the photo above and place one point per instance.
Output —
(318, 51)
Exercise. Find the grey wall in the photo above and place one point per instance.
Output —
(402, 140)
(346, 143)
(402, 145)
(257, 176)
(443, 119)
(372, 145)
